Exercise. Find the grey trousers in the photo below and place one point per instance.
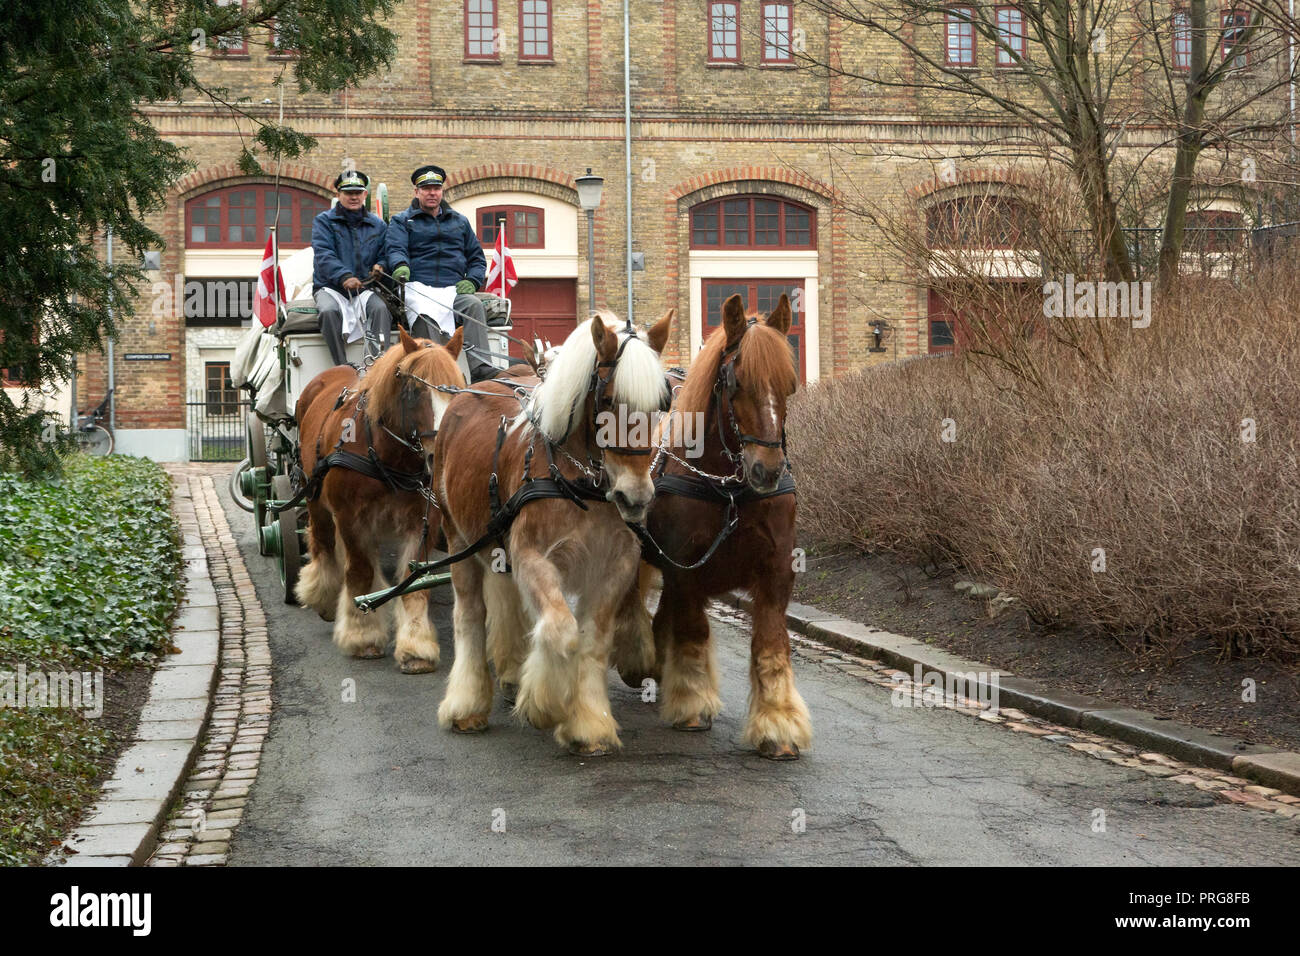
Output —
(475, 338)
(378, 326)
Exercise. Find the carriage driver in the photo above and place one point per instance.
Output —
(348, 246)
(430, 243)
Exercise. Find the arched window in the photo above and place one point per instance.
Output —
(976, 222)
(754, 223)
(525, 226)
(241, 217)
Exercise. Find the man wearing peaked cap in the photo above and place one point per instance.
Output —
(431, 243)
(347, 247)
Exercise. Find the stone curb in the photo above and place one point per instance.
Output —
(122, 828)
(1269, 766)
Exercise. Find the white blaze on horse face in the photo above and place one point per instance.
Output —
(768, 428)
(439, 402)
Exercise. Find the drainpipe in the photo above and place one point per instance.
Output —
(627, 145)
(112, 400)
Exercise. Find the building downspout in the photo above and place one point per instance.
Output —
(627, 144)
(112, 395)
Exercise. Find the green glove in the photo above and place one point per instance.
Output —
(464, 287)
(402, 273)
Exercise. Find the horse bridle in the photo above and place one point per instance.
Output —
(726, 386)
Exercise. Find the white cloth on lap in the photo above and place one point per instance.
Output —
(353, 310)
(436, 303)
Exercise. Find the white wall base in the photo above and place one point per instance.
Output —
(160, 444)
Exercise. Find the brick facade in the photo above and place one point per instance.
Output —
(699, 132)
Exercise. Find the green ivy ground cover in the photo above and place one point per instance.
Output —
(90, 577)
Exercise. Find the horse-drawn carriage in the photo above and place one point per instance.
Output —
(550, 520)
(275, 365)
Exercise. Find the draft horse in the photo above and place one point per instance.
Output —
(720, 521)
(527, 458)
(365, 444)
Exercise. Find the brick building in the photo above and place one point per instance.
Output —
(735, 157)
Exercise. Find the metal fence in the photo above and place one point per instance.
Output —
(217, 425)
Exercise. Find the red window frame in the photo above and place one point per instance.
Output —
(945, 223)
(494, 54)
(719, 211)
(299, 222)
(1181, 39)
(1014, 40)
(242, 49)
(489, 216)
(1235, 20)
(716, 13)
(1213, 230)
(547, 56)
(772, 31)
(964, 26)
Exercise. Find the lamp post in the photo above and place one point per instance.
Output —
(589, 188)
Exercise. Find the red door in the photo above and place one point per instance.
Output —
(545, 309)
(759, 295)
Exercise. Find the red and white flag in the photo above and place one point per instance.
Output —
(501, 279)
(270, 286)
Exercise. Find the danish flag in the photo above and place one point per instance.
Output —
(270, 286)
(501, 280)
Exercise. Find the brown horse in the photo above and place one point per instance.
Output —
(737, 387)
(561, 549)
(390, 416)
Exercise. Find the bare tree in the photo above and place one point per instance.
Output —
(1091, 80)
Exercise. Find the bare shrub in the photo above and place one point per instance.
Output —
(1140, 445)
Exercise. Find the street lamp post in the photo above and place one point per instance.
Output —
(589, 188)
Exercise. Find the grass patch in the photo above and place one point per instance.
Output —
(90, 577)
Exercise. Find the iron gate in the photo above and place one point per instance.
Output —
(217, 426)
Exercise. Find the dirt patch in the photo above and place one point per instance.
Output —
(1197, 689)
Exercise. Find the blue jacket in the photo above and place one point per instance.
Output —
(441, 250)
(340, 250)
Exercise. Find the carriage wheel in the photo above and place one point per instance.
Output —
(288, 560)
(256, 441)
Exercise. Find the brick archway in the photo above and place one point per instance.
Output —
(511, 177)
(749, 180)
(991, 175)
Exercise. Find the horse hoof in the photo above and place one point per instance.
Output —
(509, 693)
(369, 653)
(775, 751)
(418, 665)
(694, 724)
(579, 749)
(470, 725)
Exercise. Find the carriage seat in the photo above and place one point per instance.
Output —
(302, 319)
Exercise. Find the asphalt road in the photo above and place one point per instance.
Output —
(377, 782)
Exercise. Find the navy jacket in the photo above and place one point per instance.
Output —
(441, 250)
(340, 250)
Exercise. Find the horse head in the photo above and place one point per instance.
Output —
(756, 375)
(405, 388)
(600, 398)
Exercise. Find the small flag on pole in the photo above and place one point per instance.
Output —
(501, 277)
(270, 286)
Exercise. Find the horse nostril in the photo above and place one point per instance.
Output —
(759, 472)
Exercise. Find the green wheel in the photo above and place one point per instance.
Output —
(288, 559)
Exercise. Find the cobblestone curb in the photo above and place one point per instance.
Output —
(202, 821)
(121, 828)
(1260, 778)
